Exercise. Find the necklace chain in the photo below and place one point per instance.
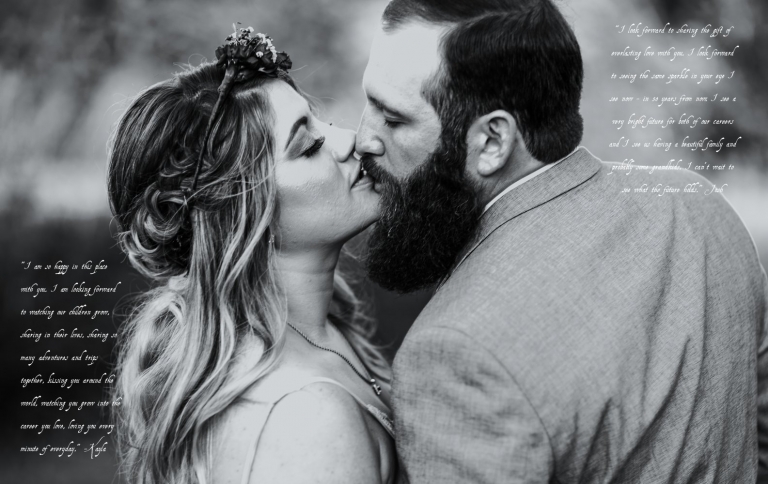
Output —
(371, 381)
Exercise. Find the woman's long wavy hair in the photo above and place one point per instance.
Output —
(211, 261)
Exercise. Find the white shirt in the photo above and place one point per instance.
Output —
(526, 178)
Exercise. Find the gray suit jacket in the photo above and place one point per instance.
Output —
(589, 335)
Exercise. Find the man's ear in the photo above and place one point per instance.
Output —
(490, 141)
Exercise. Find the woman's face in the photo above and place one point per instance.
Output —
(324, 199)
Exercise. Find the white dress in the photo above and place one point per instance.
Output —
(243, 431)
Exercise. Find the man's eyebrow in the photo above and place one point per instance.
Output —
(383, 107)
(298, 124)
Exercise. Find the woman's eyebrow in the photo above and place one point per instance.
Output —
(295, 128)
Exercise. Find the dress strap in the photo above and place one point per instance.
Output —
(382, 417)
(321, 379)
(276, 390)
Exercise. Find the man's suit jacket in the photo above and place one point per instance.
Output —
(589, 335)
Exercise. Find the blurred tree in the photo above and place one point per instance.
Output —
(67, 45)
(749, 18)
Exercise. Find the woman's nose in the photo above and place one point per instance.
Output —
(341, 142)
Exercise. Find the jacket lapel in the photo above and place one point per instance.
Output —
(572, 171)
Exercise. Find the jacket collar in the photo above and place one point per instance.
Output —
(570, 172)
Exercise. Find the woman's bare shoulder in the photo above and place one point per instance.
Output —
(317, 434)
(232, 435)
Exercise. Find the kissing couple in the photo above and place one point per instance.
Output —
(576, 334)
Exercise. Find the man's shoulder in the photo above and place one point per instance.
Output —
(582, 263)
(657, 185)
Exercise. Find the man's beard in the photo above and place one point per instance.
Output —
(425, 220)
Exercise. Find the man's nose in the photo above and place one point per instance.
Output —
(367, 140)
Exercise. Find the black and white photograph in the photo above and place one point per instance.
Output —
(384, 241)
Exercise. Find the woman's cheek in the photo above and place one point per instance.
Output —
(312, 194)
(307, 197)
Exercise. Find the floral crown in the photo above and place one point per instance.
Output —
(244, 56)
(254, 54)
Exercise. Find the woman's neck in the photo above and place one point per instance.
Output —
(307, 279)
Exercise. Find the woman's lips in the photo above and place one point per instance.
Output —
(365, 181)
(363, 178)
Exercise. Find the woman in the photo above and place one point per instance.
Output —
(250, 360)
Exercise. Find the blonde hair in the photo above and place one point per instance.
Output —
(210, 257)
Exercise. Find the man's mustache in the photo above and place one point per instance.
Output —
(376, 171)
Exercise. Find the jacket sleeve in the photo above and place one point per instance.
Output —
(762, 387)
(461, 418)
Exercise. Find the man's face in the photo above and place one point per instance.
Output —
(399, 128)
(429, 209)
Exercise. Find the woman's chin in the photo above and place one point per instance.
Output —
(364, 197)
(373, 218)
(367, 218)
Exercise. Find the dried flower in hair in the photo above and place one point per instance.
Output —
(247, 51)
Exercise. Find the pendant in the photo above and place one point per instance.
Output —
(376, 387)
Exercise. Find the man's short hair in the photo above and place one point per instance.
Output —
(517, 55)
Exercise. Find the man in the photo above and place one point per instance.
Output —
(578, 334)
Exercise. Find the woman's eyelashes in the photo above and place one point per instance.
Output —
(314, 148)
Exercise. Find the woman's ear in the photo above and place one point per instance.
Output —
(490, 141)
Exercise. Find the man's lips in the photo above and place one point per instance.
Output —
(380, 176)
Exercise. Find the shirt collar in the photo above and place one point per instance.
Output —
(526, 178)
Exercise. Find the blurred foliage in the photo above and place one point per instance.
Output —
(71, 47)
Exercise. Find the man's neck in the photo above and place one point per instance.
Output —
(517, 170)
(526, 173)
